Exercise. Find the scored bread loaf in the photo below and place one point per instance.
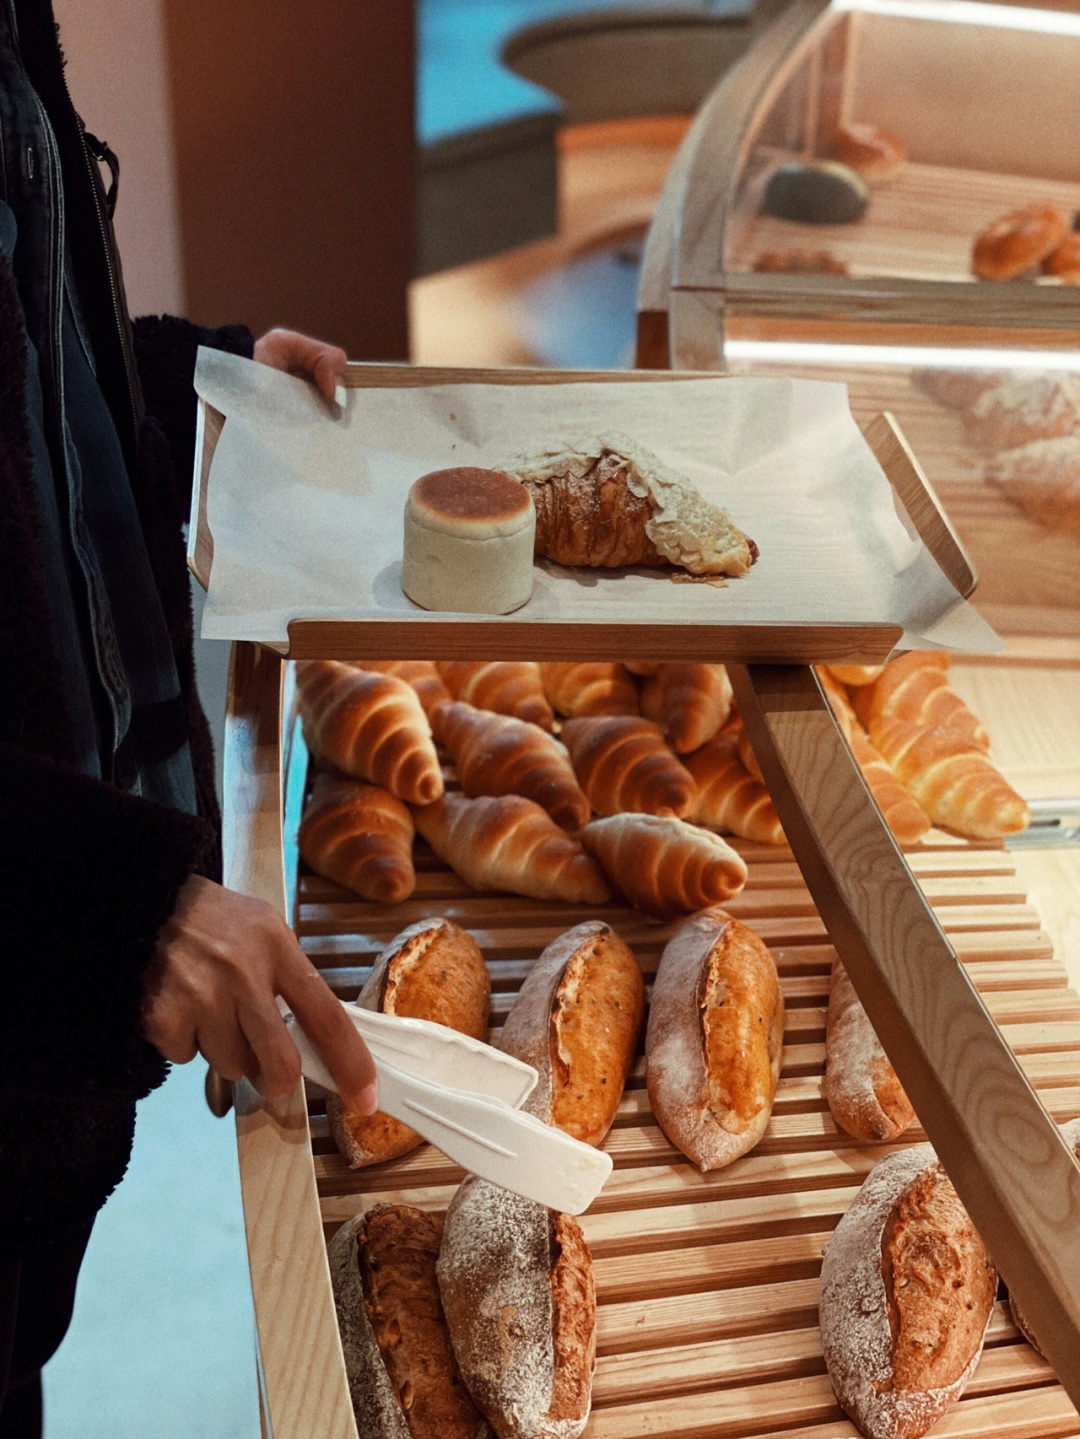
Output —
(729, 798)
(907, 1291)
(497, 754)
(714, 1039)
(358, 835)
(915, 687)
(424, 677)
(664, 867)
(510, 687)
(586, 687)
(688, 701)
(1070, 1133)
(431, 970)
(577, 1020)
(404, 1381)
(623, 763)
(864, 1095)
(517, 1289)
(508, 842)
(370, 725)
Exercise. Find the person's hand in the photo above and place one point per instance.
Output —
(301, 355)
(219, 963)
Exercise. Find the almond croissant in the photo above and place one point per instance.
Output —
(689, 701)
(370, 725)
(665, 867)
(359, 836)
(509, 843)
(497, 754)
(509, 687)
(623, 763)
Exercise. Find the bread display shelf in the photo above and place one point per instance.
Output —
(707, 1286)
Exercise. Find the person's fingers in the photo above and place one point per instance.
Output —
(302, 354)
(275, 1059)
(223, 1044)
(333, 1034)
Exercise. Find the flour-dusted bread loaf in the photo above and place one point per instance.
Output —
(1022, 408)
(623, 763)
(516, 1281)
(1043, 479)
(510, 687)
(865, 1097)
(498, 754)
(907, 1291)
(729, 798)
(508, 842)
(403, 1378)
(665, 867)
(1070, 1133)
(359, 835)
(577, 1021)
(370, 725)
(714, 1039)
(431, 970)
(589, 687)
(688, 701)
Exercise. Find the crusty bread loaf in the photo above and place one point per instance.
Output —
(915, 687)
(424, 677)
(510, 687)
(1022, 408)
(623, 763)
(688, 701)
(431, 970)
(517, 1289)
(729, 798)
(865, 1096)
(1070, 1133)
(587, 687)
(907, 1291)
(497, 754)
(714, 1039)
(370, 725)
(1043, 479)
(358, 835)
(508, 842)
(403, 1378)
(663, 866)
(577, 1020)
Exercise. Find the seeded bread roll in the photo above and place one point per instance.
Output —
(577, 1019)
(907, 1291)
(516, 1282)
(403, 1378)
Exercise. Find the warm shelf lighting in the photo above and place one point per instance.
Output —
(968, 358)
(970, 12)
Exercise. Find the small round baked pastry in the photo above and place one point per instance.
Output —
(1064, 262)
(469, 537)
(1018, 241)
(870, 151)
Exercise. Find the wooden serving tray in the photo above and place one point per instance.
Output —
(707, 1286)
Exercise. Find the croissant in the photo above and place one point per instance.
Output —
(507, 842)
(497, 754)
(689, 701)
(664, 866)
(915, 687)
(359, 836)
(729, 797)
(424, 677)
(510, 687)
(864, 1094)
(854, 674)
(604, 509)
(958, 787)
(370, 725)
(585, 687)
(623, 763)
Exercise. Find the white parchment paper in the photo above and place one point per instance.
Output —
(306, 506)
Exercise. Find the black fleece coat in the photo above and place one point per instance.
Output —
(89, 873)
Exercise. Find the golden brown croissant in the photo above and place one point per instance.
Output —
(510, 687)
(915, 687)
(497, 754)
(370, 725)
(689, 701)
(624, 763)
(958, 787)
(360, 836)
(664, 866)
(854, 674)
(729, 797)
(508, 842)
(424, 677)
(864, 1094)
(585, 687)
(605, 509)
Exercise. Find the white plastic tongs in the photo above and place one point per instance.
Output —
(464, 1097)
